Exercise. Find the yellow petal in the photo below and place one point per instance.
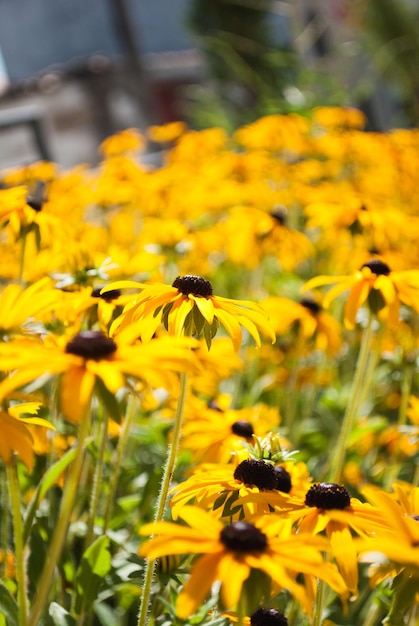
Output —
(232, 572)
(205, 306)
(356, 299)
(76, 391)
(202, 576)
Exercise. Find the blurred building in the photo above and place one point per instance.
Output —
(95, 66)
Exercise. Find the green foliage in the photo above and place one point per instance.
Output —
(95, 564)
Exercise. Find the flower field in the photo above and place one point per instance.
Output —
(209, 382)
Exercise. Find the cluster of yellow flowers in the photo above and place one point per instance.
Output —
(294, 459)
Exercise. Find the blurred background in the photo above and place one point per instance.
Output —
(71, 73)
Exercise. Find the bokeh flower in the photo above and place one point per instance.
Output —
(376, 285)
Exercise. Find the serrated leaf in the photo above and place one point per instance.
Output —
(8, 607)
(95, 564)
(59, 616)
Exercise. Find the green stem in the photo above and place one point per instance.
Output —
(406, 386)
(14, 489)
(120, 451)
(67, 503)
(320, 600)
(405, 587)
(97, 480)
(357, 396)
(4, 519)
(163, 495)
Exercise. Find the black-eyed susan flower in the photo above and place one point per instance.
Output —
(375, 284)
(313, 324)
(189, 307)
(329, 507)
(213, 431)
(91, 359)
(231, 552)
(18, 305)
(253, 486)
(397, 541)
(16, 437)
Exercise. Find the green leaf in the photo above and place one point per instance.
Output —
(95, 564)
(105, 614)
(109, 401)
(37, 555)
(48, 480)
(59, 616)
(8, 607)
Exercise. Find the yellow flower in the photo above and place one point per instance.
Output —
(339, 117)
(230, 553)
(16, 437)
(93, 359)
(398, 537)
(312, 322)
(167, 132)
(18, 305)
(188, 306)
(126, 141)
(251, 487)
(212, 433)
(376, 284)
(329, 507)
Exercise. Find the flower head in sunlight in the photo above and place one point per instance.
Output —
(126, 141)
(189, 307)
(93, 361)
(16, 436)
(375, 284)
(212, 433)
(18, 305)
(312, 324)
(230, 553)
(252, 486)
(329, 507)
(166, 132)
(398, 539)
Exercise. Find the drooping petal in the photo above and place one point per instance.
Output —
(232, 572)
(108, 372)
(232, 327)
(15, 437)
(357, 296)
(206, 307)
(193, 594)
(76, 391)
(345, 554)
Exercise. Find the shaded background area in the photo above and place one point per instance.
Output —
(75, 72)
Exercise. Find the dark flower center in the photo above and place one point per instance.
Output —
(196, 285)
(283, 479)
(268, 617)
(241, 428)
(378, 267)
(91, 344)
(108, 296)
(214, 406)
(328, 496)
(280, 215)
(243, 537)
(311, 305)
(256, 473)
(415, 517)
(35, 203)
